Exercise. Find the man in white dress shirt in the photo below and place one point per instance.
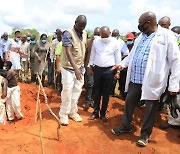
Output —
(105, 54)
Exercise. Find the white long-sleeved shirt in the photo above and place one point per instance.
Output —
(105, 54)
(3, 44)
(123, 47)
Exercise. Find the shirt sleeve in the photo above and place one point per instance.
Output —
(173, 56)
(124, 50)
(92, 55)
(51, 52)
(36, 50)
(7, 46)
(117, 54)
(66, 39)
(59, 49)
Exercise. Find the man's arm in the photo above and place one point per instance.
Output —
(78, 72)
(3, 73)
(92, 57)
(10, 73)
(35, 52)
(4, 85)
(58, 64)
(67, 43)
(6, 50)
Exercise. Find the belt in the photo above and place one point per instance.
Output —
(103, 67)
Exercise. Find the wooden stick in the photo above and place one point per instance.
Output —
(51, 112)
(40, 128)
(37, 104)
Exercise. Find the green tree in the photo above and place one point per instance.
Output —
(90, 33)
(24, 31)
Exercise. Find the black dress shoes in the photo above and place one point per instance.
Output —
(94, 116)
(104, 119)
(120, 130)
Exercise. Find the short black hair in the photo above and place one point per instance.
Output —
(33, 37)
(16, 32)
(43, 35)
(9, 64)
(81, 18)
(59, 33)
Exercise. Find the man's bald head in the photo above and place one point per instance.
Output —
(105, 32)
(176, 29)
(148, 16)
(5, 36)
(115, 33)
(80, 23)
(28, 34)
(97, 31)
(165, 22)
(147, 23)
(81, 18)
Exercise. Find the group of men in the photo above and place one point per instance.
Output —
(152, 64)
(145, 66)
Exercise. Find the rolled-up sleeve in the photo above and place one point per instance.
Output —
(67, 39)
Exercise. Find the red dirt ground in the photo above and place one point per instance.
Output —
(87, 137)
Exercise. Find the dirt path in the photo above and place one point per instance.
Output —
(87, 137)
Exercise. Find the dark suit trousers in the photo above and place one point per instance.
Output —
(103, 78)
(132, 98)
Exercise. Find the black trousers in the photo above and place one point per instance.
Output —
(50, 73)
(122, 82)
(58, 82)
(132, 98)
(1, 63)
(103, 77)
(89, 81)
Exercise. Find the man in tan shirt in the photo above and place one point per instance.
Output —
(72, 69)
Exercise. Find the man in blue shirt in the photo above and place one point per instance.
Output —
(153, 55)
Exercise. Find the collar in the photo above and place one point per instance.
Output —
(79, 33)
